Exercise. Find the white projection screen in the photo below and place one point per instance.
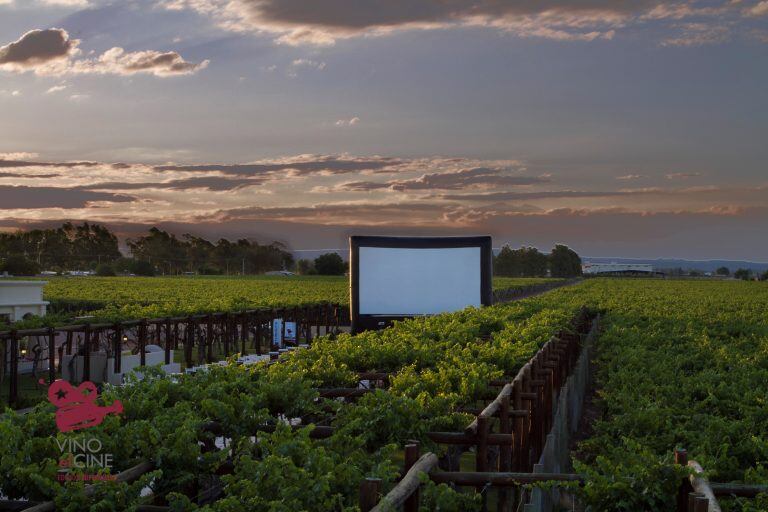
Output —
(398, 277)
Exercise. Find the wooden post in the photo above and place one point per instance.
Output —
(118, 347)
(87, 353)
(51, 355)
(143, 342)
(69, 343)
(13, 385)
(209, 338)
(505, 452)
(411, 456)
(189, 332)
(519, 426)
(700, 504)
(168, 341)
(370, 488)
(243, 331)
(692, 501)
(225, 333)
(481, 449)
(257, 339)
(681, 459)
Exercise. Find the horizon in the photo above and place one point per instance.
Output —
(626, 128)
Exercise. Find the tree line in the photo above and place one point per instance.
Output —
(94, 247)
(529, 262)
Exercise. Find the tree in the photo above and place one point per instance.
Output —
(723, 271)
(743, 273)
(190, 253)
(330, 264)
(523, 262)
(564, 262)
(18, 265)
(105, 270)
(142, 268)
(69, 247)
(507, 263)
(305, 267)
(764, 276)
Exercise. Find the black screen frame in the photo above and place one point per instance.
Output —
(362, 322)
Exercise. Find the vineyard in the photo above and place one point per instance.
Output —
(679, 364)
(126, 298)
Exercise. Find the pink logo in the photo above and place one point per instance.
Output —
(76, 407)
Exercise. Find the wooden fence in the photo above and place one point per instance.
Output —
(532, 414)
(201, 338)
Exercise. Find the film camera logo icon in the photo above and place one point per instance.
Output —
(76, 407)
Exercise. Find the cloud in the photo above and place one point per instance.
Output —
(699, 34)
(759, 9)
(118, 61)
(52, 52)
(302, 165)
(251, 200)
(682, 175)
(304, 63)
(308, 63)
(477, 177)
(21, 155)
(50, 197)
(79, 97)
(37, 47)
(297, 22)
(27, 175)
(629, 177)
(56, 88)
(347, 122)
(213, 183)
(533, 196)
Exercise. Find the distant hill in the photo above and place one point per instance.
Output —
(705, 265)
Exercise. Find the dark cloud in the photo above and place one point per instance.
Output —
(214, 183)
(19, 175)
(531, 196)
(477, 177)
(362, 14)
(331, 211)
(37, 47)
(321, 165)
(51, 197)
(22, 163)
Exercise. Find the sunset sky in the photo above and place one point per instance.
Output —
(621, 128)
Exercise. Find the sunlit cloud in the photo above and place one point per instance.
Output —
(52, 52)
(19, 155)
(347, 122)
(56, 88)
(682, 175)
(759, 9)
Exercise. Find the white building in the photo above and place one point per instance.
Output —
(616, 268)
(20, 298)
